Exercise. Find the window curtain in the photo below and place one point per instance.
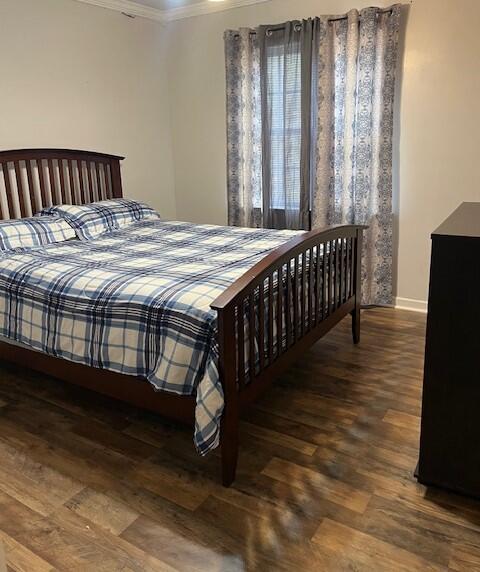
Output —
(309, 129)
(244, 128)
(269, 126)
(286, 107)
(356, 66)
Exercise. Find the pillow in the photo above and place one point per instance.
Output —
(31, 232)
(95, 219)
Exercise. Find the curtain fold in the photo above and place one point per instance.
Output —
(356, 76)
(244, 128)
(286, 98)
(269, 124)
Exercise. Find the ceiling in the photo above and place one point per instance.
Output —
(167, 10)
(167, 4)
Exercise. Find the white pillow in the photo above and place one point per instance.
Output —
(32, 232)
(95, 219)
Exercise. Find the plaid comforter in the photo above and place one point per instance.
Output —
(135, 301)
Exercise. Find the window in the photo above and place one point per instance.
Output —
(284, 101)
(269, 109)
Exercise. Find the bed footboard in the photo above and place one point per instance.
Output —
(276, 310)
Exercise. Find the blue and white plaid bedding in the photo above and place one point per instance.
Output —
(94, 219)
(29, 232)
(135, 301)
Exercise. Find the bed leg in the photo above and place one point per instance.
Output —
(357, 286)
(228, 376)
(229, 446)
(356, 324)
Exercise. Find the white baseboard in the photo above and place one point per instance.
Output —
(411, 304)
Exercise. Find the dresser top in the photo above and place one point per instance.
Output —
(464, 221)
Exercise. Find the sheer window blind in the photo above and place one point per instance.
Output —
(284, 100)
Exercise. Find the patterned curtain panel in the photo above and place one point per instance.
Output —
(244, 128)
(357, 58)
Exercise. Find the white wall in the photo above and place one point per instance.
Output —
(79, 76)
(437, 136)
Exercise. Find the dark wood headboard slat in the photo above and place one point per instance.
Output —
(51, 176)
(56, 176)
(83, 194)
(8, 190)
(108, 180)
(93, 195)
(63, 189)
(28, 168)
(96, 166)
(41, 177)
(20, 189)
(71, 182)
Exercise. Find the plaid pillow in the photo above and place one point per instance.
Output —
(31, 232)
(95, 219)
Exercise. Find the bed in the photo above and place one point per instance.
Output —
(226, 309)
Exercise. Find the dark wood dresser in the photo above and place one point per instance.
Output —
(450, 432)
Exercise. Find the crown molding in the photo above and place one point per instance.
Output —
(206, 7)
(200, 9)
(129, 7)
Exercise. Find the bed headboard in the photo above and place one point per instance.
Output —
(31, 179)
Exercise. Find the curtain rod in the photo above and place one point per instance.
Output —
(279, 27)
(345, 17)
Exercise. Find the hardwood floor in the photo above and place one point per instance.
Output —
(325, 477)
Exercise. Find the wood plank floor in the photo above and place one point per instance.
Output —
(325, 474)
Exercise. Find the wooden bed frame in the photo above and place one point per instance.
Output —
(319, 290)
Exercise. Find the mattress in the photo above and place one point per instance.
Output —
(135, 301)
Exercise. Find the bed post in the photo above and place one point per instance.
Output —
(117, 191)
(230, 419)
(357, 286)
